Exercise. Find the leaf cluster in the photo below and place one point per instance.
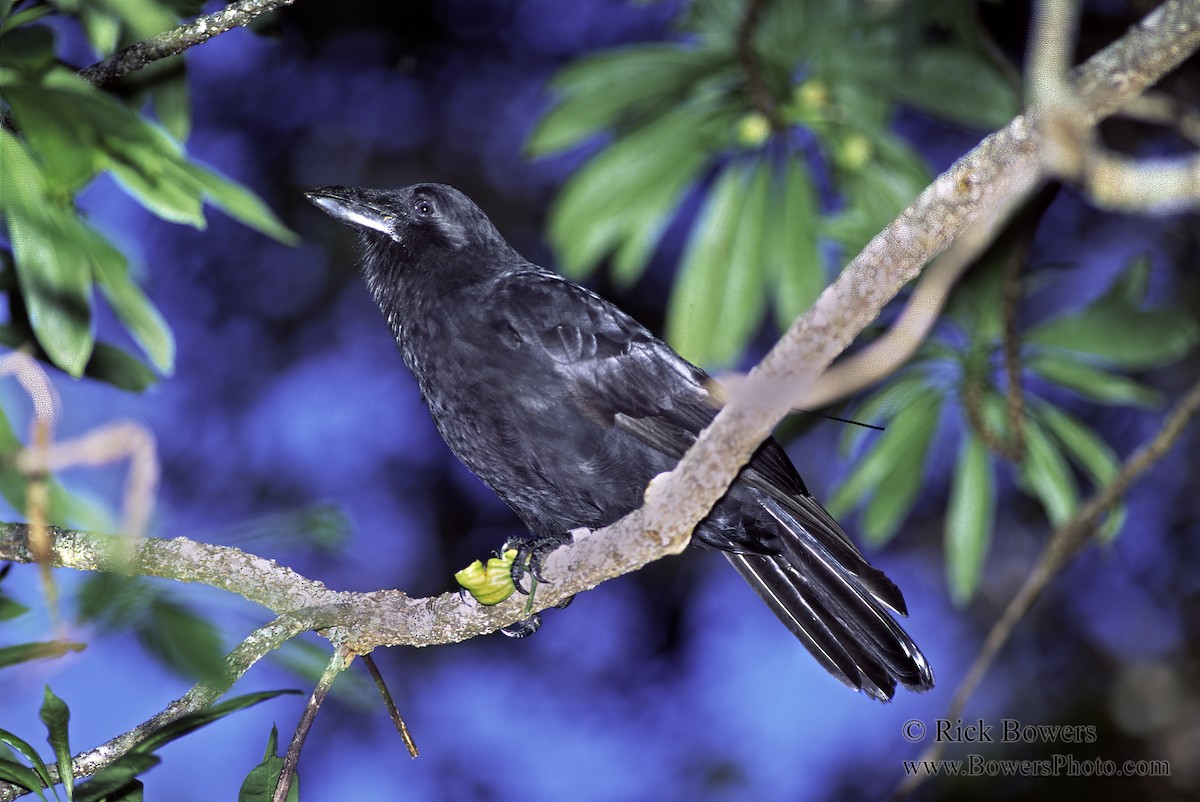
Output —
(826, 167)
(63, 133)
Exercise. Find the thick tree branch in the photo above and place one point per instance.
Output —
(175, 41)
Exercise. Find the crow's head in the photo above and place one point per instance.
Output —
(424, 235)
(419, 220)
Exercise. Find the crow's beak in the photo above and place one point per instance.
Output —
(364, 208)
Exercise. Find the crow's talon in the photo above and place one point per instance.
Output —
(523, 628)
(529, 558)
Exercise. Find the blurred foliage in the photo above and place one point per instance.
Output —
(1078, 352)
(681, 117)
(60, 134)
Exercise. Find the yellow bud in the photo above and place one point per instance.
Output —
(854, 152)
(753, 130)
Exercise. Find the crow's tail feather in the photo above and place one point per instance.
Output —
(838, 611)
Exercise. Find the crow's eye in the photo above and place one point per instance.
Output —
(423, 208)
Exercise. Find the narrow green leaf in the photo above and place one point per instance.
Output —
(52, 264)
(182, 640)
(970, 519)
(1044, 472)
(261, 782)
(30, 754)
(718, 298)
(892, 470)
(24, 17)
(25, 652)
(597, 92)
(194, 721)
(956, 84)
(125, 372)
(1092, 382)
(10, 609)
(134, 309)
(102, 28)
(242, 205)
(173, 105)
(56, 716)
(13, 772)
(897, 490)
(897, 393)
(797, 272)
(626, 192)
(1089, 452)
(1114, 328)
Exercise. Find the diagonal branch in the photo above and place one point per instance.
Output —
(175, 41)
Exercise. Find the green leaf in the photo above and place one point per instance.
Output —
(25, 652)
(23, 748)
(182, 640)
(261, 782)
(893, 470)
(1044, 472)
(125, 372)
(13, 772)
(56, 716)
(242, 205)
(897, 491)
(53, 123)
(194, 721)
(598, 92)
(794, 261)
(136, 312)
(10, 609)
(29, 48)
(956, 84)
(52, 264)
(717, 301)
(1089, 452)
(970, 519)
(173, 106)
(1116, 330)
(623, 196)
(1092, 382)
(103, 29)
(897, 393)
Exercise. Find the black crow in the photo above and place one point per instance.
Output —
(567, 408)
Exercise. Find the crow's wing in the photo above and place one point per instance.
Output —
(813, 577)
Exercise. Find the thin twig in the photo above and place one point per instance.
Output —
(1064, 544)
(756, 87)
(401, 727)
(338, 662)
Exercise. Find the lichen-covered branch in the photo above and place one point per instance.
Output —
(177, 40)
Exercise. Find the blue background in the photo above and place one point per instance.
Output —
(675, 683)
